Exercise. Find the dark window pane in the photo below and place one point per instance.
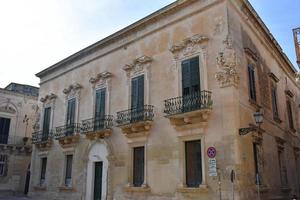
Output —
(274, 102)
(290, 114)
(193, 163)
(43, 170)
(252, 88)
(98, 180)
(4, 130)
(138, 166)
(137, 92)
(68, 176)
(46, 123)
(190, 76)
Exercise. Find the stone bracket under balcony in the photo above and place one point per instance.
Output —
(44, 144)
(42, 140)
(69, 141)
(136, 122)
(98, 134)
(191, 111)
(138, 129)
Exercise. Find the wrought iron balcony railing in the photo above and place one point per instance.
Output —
(66, 130)
(134, 115)
(96, 124)
(41, 136)
(196, 101)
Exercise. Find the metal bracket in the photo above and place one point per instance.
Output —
(245, 131)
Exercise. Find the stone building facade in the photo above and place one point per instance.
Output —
(133, 115)
(17, 117)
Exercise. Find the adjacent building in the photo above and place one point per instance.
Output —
(164, 109)
(18, 110)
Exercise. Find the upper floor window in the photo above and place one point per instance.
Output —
(100, 108)
(190, 76)
(252, 87)
(290, 114)
(46, 122)
(274, 102)
(137, 92)
(4, 130)
(71, 111)
(193, 163)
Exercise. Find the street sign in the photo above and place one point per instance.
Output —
(211, 152)
(212, 167)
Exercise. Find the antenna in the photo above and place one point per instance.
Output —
(296, 32)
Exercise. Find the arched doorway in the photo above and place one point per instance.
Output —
(97, 168)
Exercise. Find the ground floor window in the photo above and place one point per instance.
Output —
(68, 174)
(193, 163)
(138, 166)
(43, 171)
(3, 165)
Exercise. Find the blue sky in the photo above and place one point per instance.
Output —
(36, 34)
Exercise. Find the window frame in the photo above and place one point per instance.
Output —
(189, 185)
(134, 167)
(252, 82)
(43, 171)
(4, 164)
(70, 184)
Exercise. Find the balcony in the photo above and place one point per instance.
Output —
(67, 135)
(136, 122)
(97, 127)
(42, 139)
(190, 110)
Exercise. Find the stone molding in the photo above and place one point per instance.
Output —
(227, 63)
(48, 98)
(138, 66)
(188, 46)
(72, 91)
(101, 79)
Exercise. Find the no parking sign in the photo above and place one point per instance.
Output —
(211, 152)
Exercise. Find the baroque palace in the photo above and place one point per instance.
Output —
(195, 101)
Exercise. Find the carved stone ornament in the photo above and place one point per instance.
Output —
(138, 65)
(297, 77)
(101, 78)
(227, 62)
(48, 97)
(73, 90)
(7, 109)
(188, 46)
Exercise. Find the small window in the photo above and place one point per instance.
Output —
(3, 165)
(252, 87)
(257, 163)
(290, 114)
(138, 166)
(193, 163)
(274, 102)
(68, 175)
(43, 171)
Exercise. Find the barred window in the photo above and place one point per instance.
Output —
(3, 165)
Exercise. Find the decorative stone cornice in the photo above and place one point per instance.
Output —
(188, 46)
(101, 77)
(49, 97)
(73, 87)
(297, 77)
(7, 109)
(138, 65)
(227, 62)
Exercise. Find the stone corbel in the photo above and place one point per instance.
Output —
(188, 46)
(227, 62)
(101, 78)
(72, 91)
(48, 98)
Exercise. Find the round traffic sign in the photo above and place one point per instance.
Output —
(211, 152)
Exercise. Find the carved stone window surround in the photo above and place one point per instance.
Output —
(72, 92)
(195, 46)
(139, 66)
(102, 81)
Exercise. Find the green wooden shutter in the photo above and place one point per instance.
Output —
(137, 92)
(46, 123)
(100, 104)
(43, 170)
(68, 175)
(190, 76)
(186, 81)
(193, 163)
(98, 181)
(138, 166)
(71, 111)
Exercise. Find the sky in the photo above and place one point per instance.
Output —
(36, 34)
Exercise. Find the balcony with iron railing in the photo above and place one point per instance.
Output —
(42, 139)
(189, 109)
(99, 127)
(68, 134)
(136, 121)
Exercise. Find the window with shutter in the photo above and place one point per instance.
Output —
(100, 108)
(46, 123)
(138, 166)
(43, 171)
(193, 163)
(251, 77)
(70, 116)
(190, 76)
(257, 167)
(274, 102)
(3, 165)
(68, 175)
(4, 130)
(137, 98)
(290, 114)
